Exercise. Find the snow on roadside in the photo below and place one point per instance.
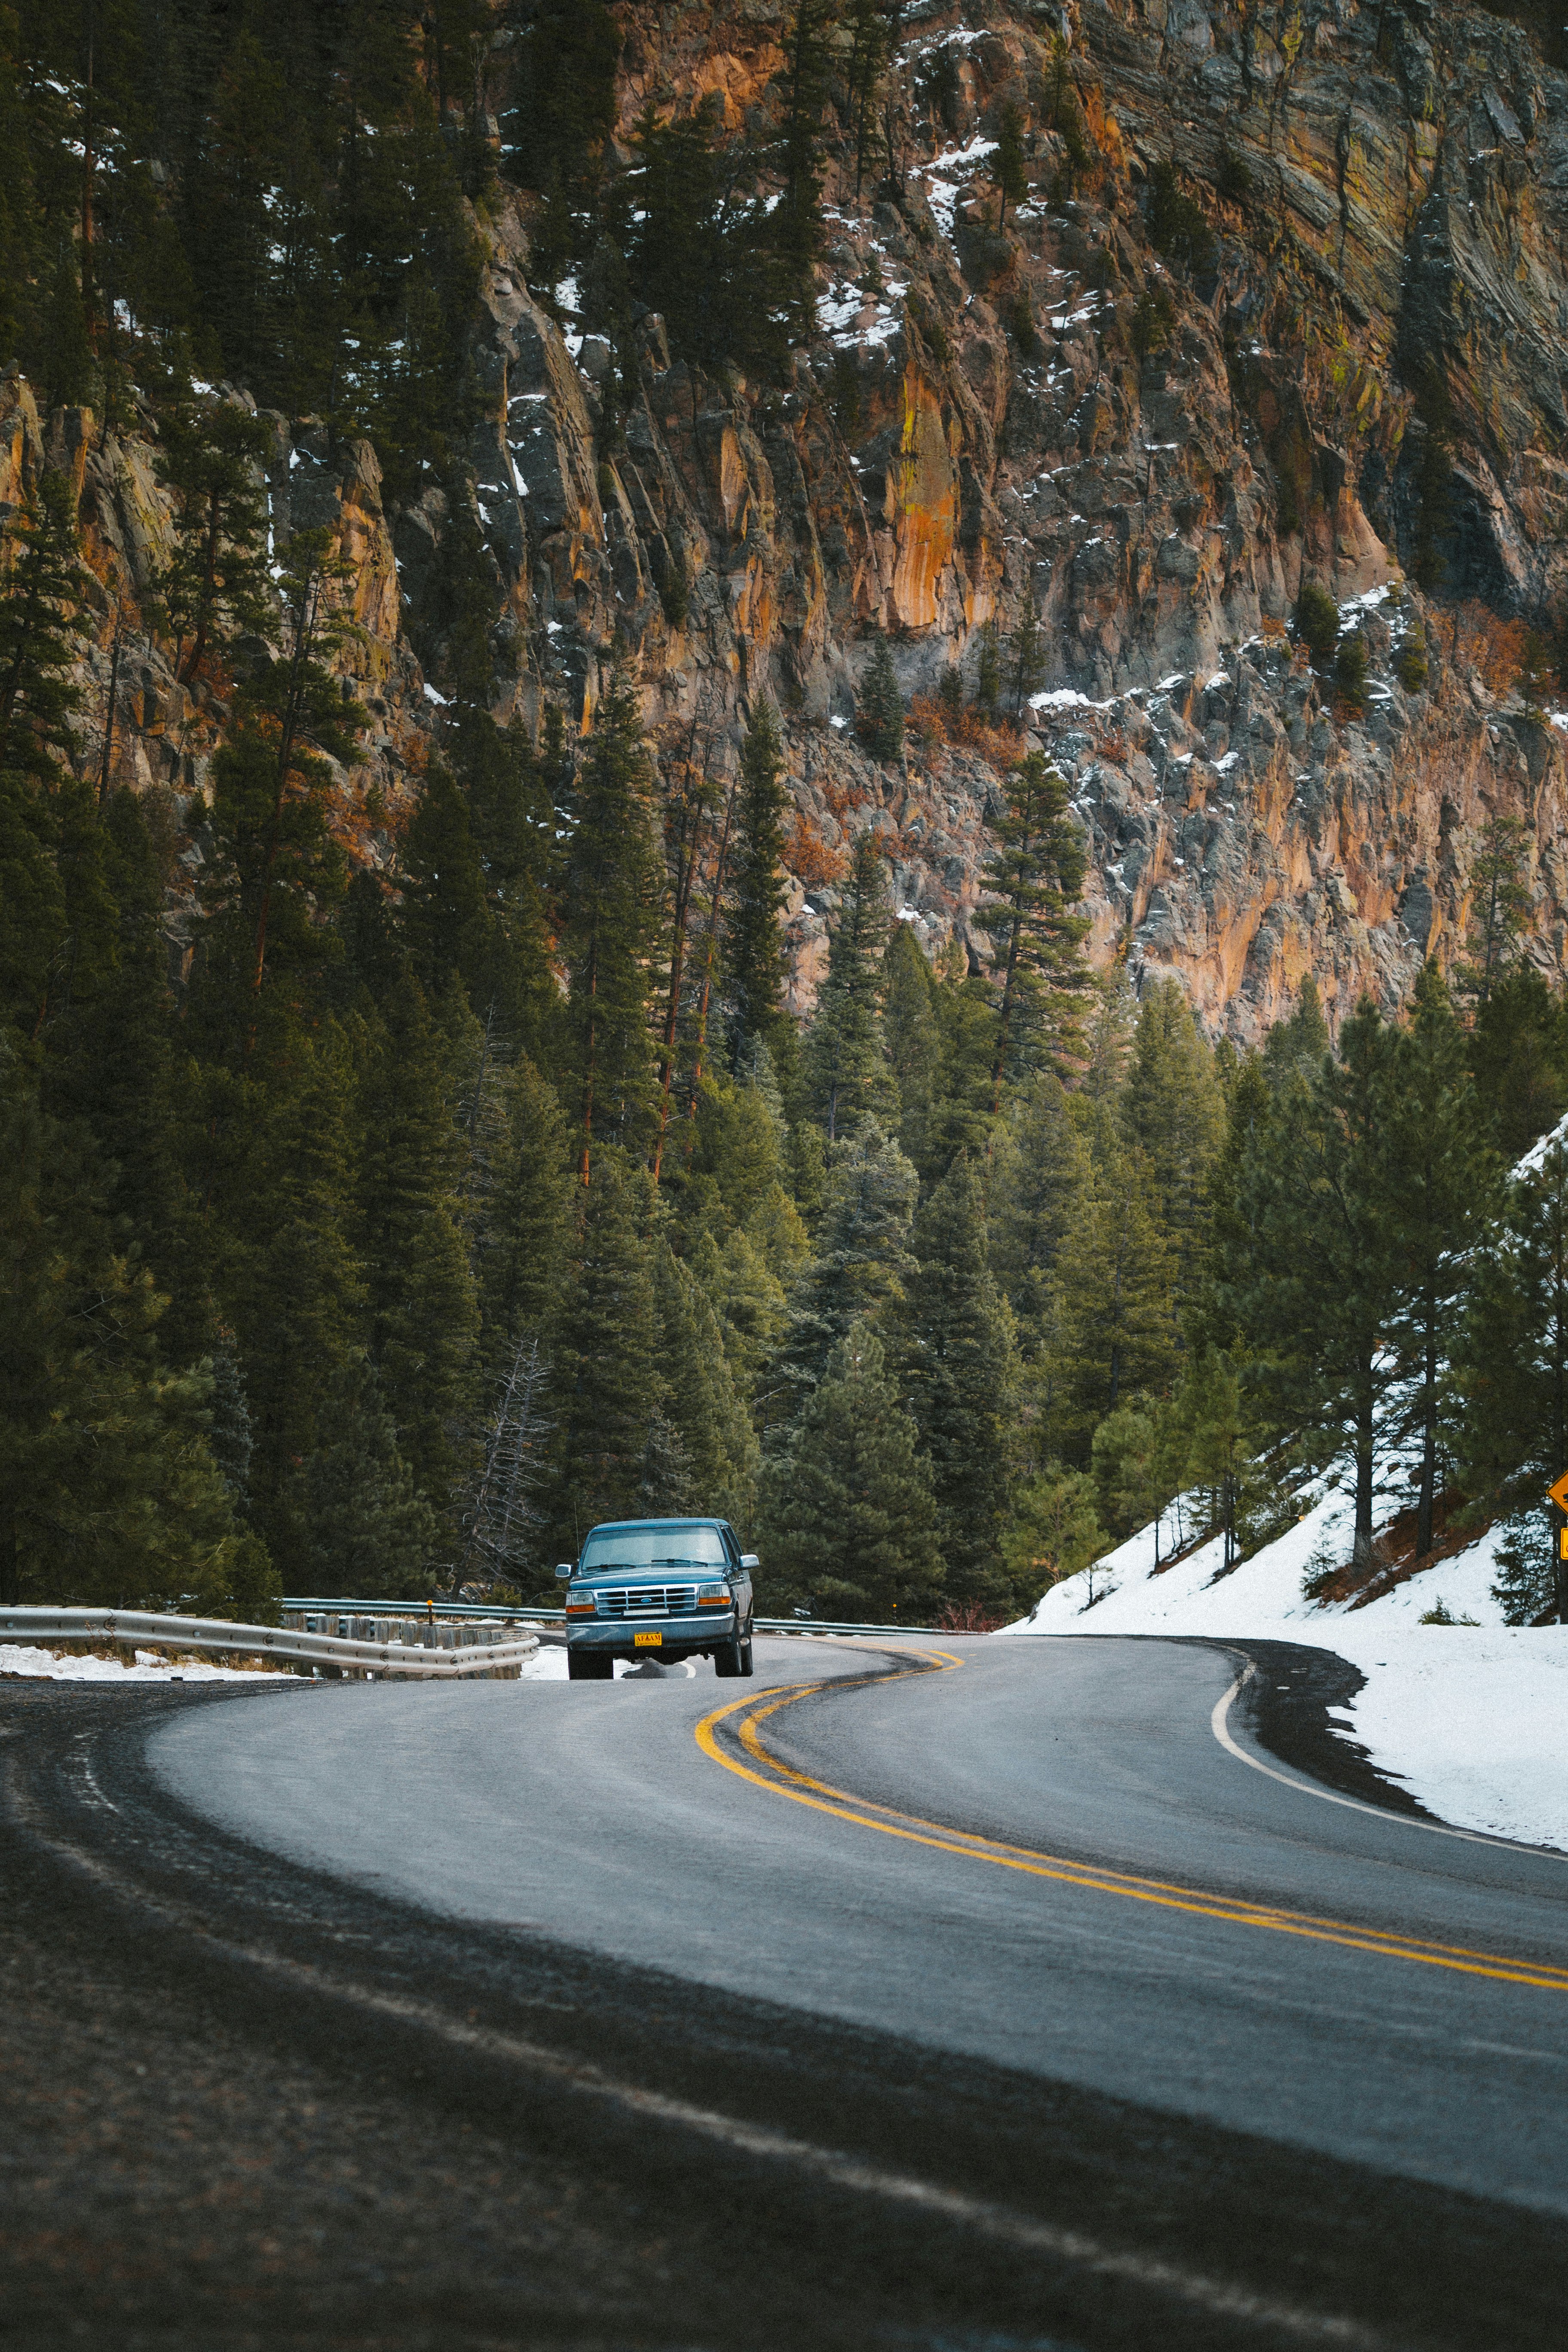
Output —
(1472, 1719)
(65, 1667)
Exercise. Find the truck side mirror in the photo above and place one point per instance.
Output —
(564, 1568)
(749, 1560)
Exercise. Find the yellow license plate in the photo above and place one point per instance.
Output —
(646, 1641)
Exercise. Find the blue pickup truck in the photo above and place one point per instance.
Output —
(660, 1589)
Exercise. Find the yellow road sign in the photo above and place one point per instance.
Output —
(1559, 1492)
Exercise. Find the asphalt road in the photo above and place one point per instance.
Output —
(972, 2001)
(591, 1814)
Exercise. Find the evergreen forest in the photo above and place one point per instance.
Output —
(397, 1221)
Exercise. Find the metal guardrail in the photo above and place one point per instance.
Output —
(411, 1609)
(492, 1612)
(218, 1637)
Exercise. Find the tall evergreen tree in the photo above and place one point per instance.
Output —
(862, 1258)
(1117, 1282)
(607, 1384)
(109, 1491)
(1499, 905)
(913, 1036)
(1315, 1282)
(1036, 874)
(880, 704)
(1518, 1054)
(43, 578)
(359, 1525)
(423, 1318)
(702, 1400)
(214, 584)
(1442, 1177)
(803, 83)
(845, 1063)
(610, 900)
(1173, 1112)
(958, 1356)
(847, 1511)
(525, 1235)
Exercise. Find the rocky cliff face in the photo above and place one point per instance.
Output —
(1143, 411)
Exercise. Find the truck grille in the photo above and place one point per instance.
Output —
(647, 1600)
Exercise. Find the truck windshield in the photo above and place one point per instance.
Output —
(656, 1546)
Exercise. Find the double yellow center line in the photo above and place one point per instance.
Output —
(737, 1726)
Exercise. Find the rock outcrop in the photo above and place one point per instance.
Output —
(1284, 302)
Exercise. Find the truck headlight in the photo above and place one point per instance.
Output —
(712, 1596)
(579, 1604)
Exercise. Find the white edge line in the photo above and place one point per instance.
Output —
(1221, 1730)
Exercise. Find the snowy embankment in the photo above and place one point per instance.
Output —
(1472, 1719)
(548, 1665)
(74, 1666)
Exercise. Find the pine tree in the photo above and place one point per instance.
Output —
(880, 704)
(1054, 1531)
(44, 580)
(962, 1118)
(110, 1060)
(447, 923)
(609, 895)
(1028, 663)
(215, 585)
(1124, 1457)
(702, 1400)
(525, 1236)
(1173, 1112)
(1314, 1281)
(871, 42)
(913, 1036)
(269, 1158)
(958, 1365)
(988, 674)
(277, 863)
(422, 1312)
(1499, 905)
(1219, 1431)
(109, 1491)
(607, 1384)
(803, 90)
(1039, 1168)
(738, 1149)
(749, 1301)
(1518, 1054)
(1036, 873)
(846, 1064)
(360, 1527)
(1117, 1281)
(754, 948)
(1443, 1182)
(847, 1510)
(1297, 1046)
(861, 1259)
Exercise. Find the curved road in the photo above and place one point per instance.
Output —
(908, 1999)
(1167, 1926)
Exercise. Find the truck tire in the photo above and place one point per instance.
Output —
(589, 1666)
(747, 1668)
(726, 1660)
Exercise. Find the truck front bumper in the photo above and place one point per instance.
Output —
(679, 1637)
